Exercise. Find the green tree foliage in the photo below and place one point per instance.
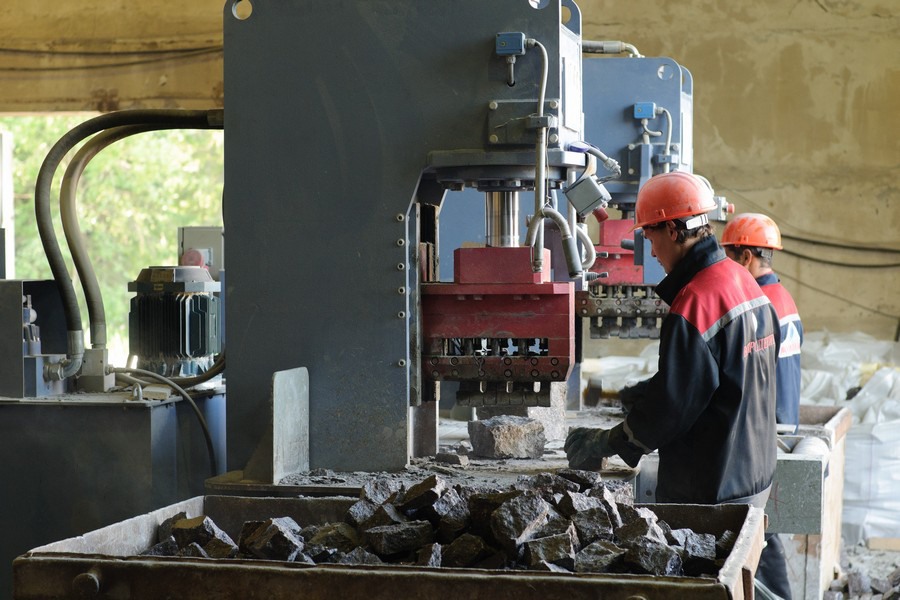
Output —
(131, 200)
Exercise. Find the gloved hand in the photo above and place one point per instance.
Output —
(586, 448)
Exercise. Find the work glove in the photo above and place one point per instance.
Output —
(586, 448)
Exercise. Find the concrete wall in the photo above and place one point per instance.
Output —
(795, 108)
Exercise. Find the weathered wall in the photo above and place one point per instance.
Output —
(795, 108)
(103, 55)
(795, 116)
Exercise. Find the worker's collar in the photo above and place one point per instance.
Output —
(767, 279)
(701, 255)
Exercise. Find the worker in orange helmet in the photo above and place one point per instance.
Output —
(710, 408)
(750, 239)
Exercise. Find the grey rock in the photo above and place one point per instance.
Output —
(216, 548)
(516, 521)
(556, 524)
(360, 512)
(654, 558)
(833, 595)
(423, 494)
(451, 458)
(481, 506)
(336, 535)
(593, 525)
(359, 556)
(555, 549)
(386, 514)
(643, 527)
(506, 436)
(429, 555)
(608, 499)
(164, 531)
(547, 485)
(198, 530)
(390, 540)
(881, 585)
(378, 490)
(631, 513)
(446, 504)
(858, 583)
(600, 557)
(167, 547)
(193, 550)
(465, 551)
(699, 545)
(585, 480)
(319, 554)
(274, 539)
(454, 522)
(572, 503)
(495, 561)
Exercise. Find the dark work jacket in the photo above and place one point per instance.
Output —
(787, 400)
(710, 409)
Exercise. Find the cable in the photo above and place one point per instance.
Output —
(7, 50)
(797, 238)
(131, 63)
(188, 399)
(217, 367)
(841, 298)
(878, 246)
(836, 263)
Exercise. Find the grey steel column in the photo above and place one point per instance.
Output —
(501, 219)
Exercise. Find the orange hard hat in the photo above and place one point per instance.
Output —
(673, 195)
(752, 229)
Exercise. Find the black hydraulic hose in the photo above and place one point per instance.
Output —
(217, 367)
(190, 119)
(69, 213)
(187, 397)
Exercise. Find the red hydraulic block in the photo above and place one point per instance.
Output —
(619, 262)
(478, 327)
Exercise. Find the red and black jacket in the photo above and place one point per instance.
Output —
(710, 409)
(787, 411)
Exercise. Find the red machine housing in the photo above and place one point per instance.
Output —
(498, 321)
(612, 258)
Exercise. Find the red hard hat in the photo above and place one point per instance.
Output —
(752, 229)
(673, 195)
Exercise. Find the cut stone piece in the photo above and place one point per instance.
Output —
(391, 540)
(506, 436)
(600, 557)
(517, 520)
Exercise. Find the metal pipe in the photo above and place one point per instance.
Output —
(609, 47)
(573, 258)
(540, 167)
(501, 219)
(590, 253)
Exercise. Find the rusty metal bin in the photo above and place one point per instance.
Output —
(106, 564)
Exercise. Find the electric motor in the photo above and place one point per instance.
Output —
(174, 320)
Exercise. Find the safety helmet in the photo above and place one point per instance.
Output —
(752, 229)
(673, 195)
